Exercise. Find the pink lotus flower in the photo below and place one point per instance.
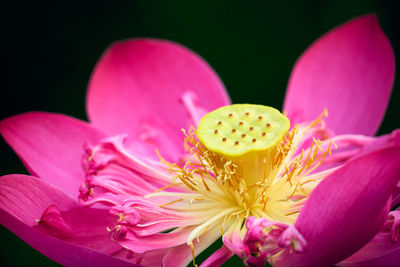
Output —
(294, 202)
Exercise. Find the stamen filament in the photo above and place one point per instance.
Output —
(172, 202)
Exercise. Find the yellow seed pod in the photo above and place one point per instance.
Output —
(248, 135)
(235, 130)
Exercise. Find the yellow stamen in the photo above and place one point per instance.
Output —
(166, 187)
(172, 202)
(193, 255)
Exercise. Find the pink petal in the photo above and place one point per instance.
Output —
(23, 199)
(333, 220)
(391, 259)
(150, 258)
(142, 244)
(349, 71)
(218, 257)
(140, 87)
(51, 146)
(383, 250)
(379, 252)
(60, 251)
(350, 145)
(385, 141)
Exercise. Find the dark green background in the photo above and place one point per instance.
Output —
(50, 49)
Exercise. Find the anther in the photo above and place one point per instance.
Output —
(220, 122)
(243, 135)
(254, 140)
(216, 131)
(224, 139)
(268, 125)
(233, 130)
(241, 123)
(251, 128)
(237, 143)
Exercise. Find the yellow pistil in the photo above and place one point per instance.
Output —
(244, 163)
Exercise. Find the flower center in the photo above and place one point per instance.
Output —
(244, 163)
(247, 135)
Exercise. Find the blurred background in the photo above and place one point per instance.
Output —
(51, 47)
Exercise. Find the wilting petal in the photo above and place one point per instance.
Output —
(23, 200)
(51, 146)
(333, 220)
(149, 89)
(351, 67)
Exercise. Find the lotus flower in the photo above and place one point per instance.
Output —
(129, 188)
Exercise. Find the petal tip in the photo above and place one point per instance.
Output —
(355, 58)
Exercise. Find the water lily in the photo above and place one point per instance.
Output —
(297, 188)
